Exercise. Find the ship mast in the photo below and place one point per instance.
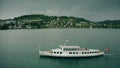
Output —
(66, 42)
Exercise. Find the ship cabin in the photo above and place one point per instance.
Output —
(73, 50)
(69, 48)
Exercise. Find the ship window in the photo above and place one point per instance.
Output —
(60, 52)
(92, 52)
(70, 52)
(73, 52)
(76, 52)
(78, 49)
(87, 52)
(54, 52)
(82, 52)
(70, 49)
(64, 49)
(73, 49)
(57, 52)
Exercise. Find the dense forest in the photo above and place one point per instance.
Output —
(39, 21)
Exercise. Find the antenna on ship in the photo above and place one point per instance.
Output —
(66, 42)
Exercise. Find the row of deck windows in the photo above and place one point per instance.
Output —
(76, 52)
(71, 49)
(83, 52)
(88, 52)
(73, 52)
(57, 52)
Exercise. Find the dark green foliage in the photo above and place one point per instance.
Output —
(4, 27)
(110, 24)
(37, 21)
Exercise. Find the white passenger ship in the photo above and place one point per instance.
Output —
(71, 51)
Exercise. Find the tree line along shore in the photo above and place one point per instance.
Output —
(39, 21)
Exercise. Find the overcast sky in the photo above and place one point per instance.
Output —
(94, 10)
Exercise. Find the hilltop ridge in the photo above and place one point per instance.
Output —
(36, 21)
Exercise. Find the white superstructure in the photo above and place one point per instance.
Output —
(71, 51)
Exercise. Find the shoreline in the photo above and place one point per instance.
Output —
(59, 28)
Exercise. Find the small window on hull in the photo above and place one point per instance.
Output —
(76, 52)
(70, 52)
(73, 52)
(60, 52)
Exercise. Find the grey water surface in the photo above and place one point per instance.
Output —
(19, 48)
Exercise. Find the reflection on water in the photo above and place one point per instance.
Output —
(70, 61)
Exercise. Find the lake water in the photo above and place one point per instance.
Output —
(19, 48)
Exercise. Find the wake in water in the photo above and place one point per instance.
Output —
(112, 54)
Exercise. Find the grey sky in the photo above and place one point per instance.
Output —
(94, 10)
